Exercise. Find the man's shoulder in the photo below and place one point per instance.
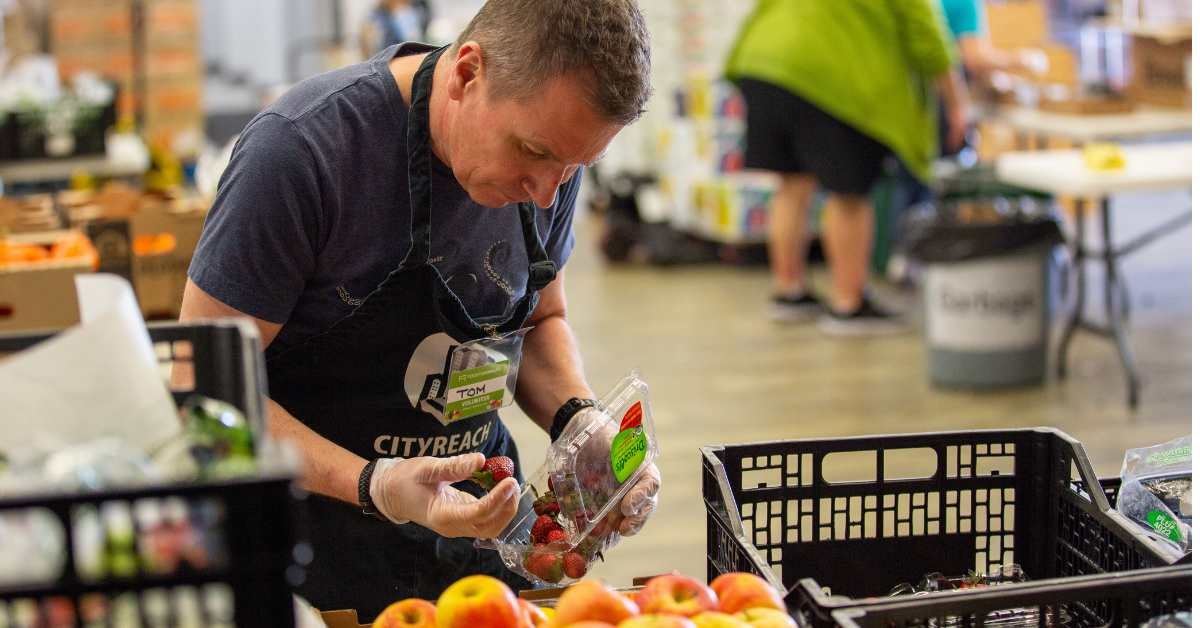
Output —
(360, 86)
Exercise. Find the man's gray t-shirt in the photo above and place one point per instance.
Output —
(313, 211)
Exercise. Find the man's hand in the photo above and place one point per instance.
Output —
(419, 490)
(641, 500)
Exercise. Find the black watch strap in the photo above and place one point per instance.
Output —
(564, 414)
(364, 492)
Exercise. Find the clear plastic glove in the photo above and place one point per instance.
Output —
(419, 490)
(641, 500)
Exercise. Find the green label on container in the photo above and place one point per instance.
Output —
(1165, 525)
(476, 390)
(629, 445)
(1171, 456)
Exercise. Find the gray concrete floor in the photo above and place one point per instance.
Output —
(720, 372)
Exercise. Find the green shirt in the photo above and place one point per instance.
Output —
(865, 62)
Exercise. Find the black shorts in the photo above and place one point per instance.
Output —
(787, 134)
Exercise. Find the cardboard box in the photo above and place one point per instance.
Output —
(159, 276)
(1161, 71)
(348, 618)
(1017, 24)
(39, 295)
(148, 239)
(28, 214)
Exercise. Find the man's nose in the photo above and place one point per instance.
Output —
(542, 187)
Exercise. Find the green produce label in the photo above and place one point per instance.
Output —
(476, 390)
(629, 445)
(1171, 456)
(1165, 525)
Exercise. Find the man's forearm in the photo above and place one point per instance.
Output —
(328, 468)
(551, 371)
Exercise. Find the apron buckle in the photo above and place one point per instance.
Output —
(541, 273)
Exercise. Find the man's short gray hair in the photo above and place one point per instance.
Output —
(602, 42)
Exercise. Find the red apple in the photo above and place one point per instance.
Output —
(675, 594)
(589, 600)
(767, 618)
(410, 613)
(739, 591)
(479, 602)
(657, 621)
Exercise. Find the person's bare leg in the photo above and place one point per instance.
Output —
(848, 230)
(847, 234)
(787, 242)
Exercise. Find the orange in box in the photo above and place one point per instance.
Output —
(37, 279)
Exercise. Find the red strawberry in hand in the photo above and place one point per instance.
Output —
(556, 536)
(494, 471)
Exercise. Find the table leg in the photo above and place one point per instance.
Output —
(1077, 267)
(1114, 300)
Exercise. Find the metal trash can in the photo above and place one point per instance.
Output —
(986, 289)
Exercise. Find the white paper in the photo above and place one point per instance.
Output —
(99, 379)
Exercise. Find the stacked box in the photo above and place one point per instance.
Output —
(173, 70)
(97, 36)
(1162, 71)
(151, 48)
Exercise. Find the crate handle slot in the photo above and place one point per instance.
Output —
(913, 463)
(849, 467)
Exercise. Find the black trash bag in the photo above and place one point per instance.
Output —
(975, 216)
(942, 242)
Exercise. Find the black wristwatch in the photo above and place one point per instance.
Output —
(364, 492)
(564, 414)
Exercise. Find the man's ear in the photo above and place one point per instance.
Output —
(467, 71)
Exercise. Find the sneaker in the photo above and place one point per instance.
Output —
(795, 309)
(868, 320)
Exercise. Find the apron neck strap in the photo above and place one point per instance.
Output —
(420, 177)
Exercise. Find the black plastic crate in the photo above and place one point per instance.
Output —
(980, 500)
(1118, 599)
(244, 558)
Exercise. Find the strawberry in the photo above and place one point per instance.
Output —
(574, 566)
(556, 536)
(545, 565)
(494, 471)
(542, 527)
(546, 505)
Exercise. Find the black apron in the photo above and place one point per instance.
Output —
(347, 384)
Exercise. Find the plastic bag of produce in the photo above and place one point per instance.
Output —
(570, 506)
(1156, 490)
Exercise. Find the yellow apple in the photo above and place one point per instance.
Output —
(657, 621)
(410, 613)
(675, 594)
(590, 600)
(739, 591)
(767, 618)
(713, 619)
(479, 602)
